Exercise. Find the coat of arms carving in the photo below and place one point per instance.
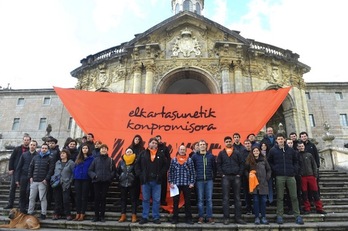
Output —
(186, 44)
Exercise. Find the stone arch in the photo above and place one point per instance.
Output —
(103, 89)
(285, 114)
(187, 81)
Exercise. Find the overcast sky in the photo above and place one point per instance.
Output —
(42, 41)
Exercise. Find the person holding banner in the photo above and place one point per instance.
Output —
(150, 166)
(230, 164)
(205, 167)
(182, 175)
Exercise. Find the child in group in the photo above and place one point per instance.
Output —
(126, 176)
(259, 172)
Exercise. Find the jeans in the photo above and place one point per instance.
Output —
(259, 205)
(227, 182)
(246, 194)
(187, 197)
(270, 189)
(132, 191)
(290, 182)
(151, 190)
(35, 188)
(205, 192)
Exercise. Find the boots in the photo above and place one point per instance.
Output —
(82, 217)
(122, 218)
(134, 218)
(77, 217)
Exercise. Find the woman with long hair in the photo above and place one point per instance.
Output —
(82, 181)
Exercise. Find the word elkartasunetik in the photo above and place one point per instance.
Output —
(173, 115)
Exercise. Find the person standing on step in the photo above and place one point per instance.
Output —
(230, 165)
(61, 194)
(284, 164)
(21, 175)
(14, 159)
(258, 172)
(182, 175)
(40, 171)
(126, 181)
(150, 166)
(82, 181)
(102, 171)
(205, 167)
(308, 172)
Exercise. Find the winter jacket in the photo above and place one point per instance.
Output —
(263, 174)
(270, 141)
(102, 169)
(41, 167)
(307, 164)
(205, 166)
(181, 174)
(23, 165)
(66, 173)
(283, 161)
(81, 169)
(230, 165)
(125, 173)
(158, 167)
(311, 148)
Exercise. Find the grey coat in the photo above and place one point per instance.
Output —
(66, 173)
(263, 174)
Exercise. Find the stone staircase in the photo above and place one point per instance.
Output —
(334, 194)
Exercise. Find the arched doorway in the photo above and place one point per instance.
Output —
(187, 81)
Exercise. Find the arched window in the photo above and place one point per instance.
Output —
(177, 8)
(187, 5)
(198, 8)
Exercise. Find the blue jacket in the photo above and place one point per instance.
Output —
(81, 170)
(205, 166)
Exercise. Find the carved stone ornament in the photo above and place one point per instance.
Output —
(186, 44)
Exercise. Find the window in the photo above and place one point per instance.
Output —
(311, 120)
(20, 102)
(187, 5)
(198, 8)
(47, 101)
(43, 124)
(70, 123)
(338, 95)
(15, 125)
(308, 96)
(177, 8)
(344, 120)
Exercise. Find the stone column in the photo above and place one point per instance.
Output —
(238, 78)
(225, 77)
(137, 79)
(150, 69)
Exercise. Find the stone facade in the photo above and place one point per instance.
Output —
(21, 112)
(189, 53)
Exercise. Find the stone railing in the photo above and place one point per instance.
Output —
(333, 158)
(273, 50)
(4, 159)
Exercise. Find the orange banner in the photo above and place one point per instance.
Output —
(115, 118)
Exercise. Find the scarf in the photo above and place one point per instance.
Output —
(153, 154)
(181, 159)
(253, 181)
(129, 159)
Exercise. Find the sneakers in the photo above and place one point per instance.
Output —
(257, 221)
(279, 220)
(264, 221)
(42, 217)
(299, 220)
(240, 221)
(321, 212)
(143, 221)
(200, 220)
(157, 221)
(211, 221)
(226, 221)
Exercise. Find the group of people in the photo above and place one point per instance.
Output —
(249, 169)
